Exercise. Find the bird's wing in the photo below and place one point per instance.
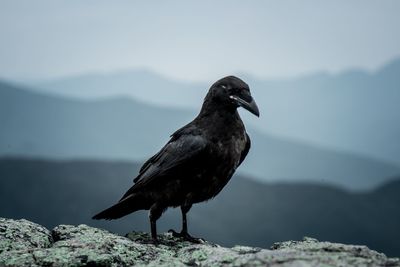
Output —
(174, 137)
(174, 157)
(246, 149)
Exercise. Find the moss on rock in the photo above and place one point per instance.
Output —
(23, 243)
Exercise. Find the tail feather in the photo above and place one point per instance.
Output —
(122, 208)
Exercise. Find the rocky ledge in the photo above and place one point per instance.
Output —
(23, 243)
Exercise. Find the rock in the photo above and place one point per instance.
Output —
(23, 243)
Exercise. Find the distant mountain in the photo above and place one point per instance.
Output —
(70, 192)
(145, 86)
(33, 124)
(352, 111)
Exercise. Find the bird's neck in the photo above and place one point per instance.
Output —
(219, 116)
(212, 108)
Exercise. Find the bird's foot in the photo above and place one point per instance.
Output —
(185, 236)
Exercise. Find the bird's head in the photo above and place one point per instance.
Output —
(232, 93)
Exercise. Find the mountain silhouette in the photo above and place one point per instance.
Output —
(35, 124)
(70, 192)
(354, 111)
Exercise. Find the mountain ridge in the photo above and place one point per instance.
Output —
(71, 192)
(354, 110)
(50, 126)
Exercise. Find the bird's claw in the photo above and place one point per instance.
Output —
(185, 236)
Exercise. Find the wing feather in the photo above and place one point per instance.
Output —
(176, 153)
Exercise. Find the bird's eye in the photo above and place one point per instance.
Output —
(223, 86)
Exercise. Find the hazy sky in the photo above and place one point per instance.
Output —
(195, 40)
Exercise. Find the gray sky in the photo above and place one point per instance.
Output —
(195, 40)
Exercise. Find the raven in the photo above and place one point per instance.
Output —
(196, 163)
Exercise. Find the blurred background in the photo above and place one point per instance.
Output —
(90, 89)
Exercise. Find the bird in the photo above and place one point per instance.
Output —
(196, 163)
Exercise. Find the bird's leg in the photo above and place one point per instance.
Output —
(154, 215)
(184, 221)
(184, 233)
(153, 226)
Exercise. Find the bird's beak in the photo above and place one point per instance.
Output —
(249, 105)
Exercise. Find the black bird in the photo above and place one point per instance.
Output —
(196, 163)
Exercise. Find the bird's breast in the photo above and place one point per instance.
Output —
(232, 147)
(223, 160)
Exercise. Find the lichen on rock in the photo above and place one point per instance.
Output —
(23, 243)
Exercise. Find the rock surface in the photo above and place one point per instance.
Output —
(23, 243)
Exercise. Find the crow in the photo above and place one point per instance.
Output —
(196, 163)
